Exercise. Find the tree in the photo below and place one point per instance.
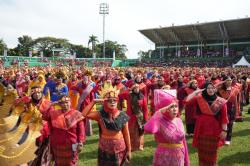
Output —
(81, 52)
(111, 46)
(144, 54)
(93, 40)
(47, 44)
(13, 52)
(121, 51)
(3, 46)
(25, 44)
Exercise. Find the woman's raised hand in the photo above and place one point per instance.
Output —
(164, 109)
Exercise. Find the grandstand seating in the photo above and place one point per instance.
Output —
(225, 38)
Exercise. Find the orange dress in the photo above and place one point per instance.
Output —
(113, 144)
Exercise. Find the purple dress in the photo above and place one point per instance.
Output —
(170, 136)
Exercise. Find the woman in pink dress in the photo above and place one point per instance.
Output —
(168, 131)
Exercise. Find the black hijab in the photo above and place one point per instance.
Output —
(207, 97)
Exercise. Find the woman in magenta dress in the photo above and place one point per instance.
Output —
(168, 131)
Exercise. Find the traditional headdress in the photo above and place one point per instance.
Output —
(163, 98)
(59, 74)
(139, 72)
(108, 91)
(64, 99)
(121, 72)
(88, 73)
(35, 89)
(40, 72)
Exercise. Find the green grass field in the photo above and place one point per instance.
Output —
(237, 154)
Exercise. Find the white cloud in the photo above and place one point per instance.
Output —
(76, 20)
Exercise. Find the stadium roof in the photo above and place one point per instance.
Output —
(212, 31)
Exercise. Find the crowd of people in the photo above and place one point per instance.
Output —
(102, 63)
(209, 53)
(65, 61)
(126, 103)
(62, 62)
(175, 62)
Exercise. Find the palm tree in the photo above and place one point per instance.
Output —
(93, 40)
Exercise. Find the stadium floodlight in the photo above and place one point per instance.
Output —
(104, 10)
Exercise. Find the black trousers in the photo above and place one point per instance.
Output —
(229, 131)
(190, 128)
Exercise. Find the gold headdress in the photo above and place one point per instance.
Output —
(88, 73)
(121, 72)
(139, 71)
(64, 99)
(41, 72)
(35, 89)
(60, 74)
(108, 91)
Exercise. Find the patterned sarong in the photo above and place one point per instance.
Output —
(64, 156)
(137, 139)
(207, 150)
(111, 152)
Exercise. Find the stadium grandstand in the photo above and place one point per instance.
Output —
(192, 44)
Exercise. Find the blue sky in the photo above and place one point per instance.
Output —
(76, 20)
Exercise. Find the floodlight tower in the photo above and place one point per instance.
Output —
(104, 10)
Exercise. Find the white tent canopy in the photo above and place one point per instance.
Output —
(242, 62)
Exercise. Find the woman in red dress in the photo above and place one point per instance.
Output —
(211, 123)
(137, 111)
